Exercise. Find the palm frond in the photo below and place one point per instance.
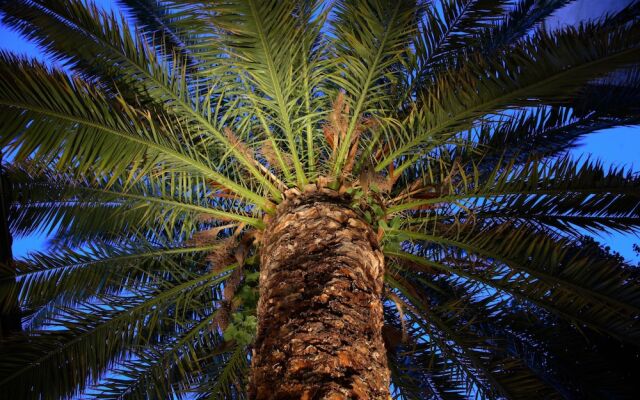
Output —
(127, 58)
(371, 38)
(46, 283)
(80, 340)
(565, 195)
(101, 127)
(165, 371)
(177, 24)
(567, 280)
(552, 67)
(266, 40)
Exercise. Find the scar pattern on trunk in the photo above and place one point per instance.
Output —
(320, 313)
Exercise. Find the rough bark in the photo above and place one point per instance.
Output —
(9, 320)
(320, 313)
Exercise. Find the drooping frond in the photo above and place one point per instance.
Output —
(453, 25)
(562, 194)
(551, 67)
(48, 283)
(177, 26)
(120, 322)
(497, 323)
(165, 206)
(137, 68)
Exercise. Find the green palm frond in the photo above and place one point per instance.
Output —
(496, 325)
(550, 68)
(453, 25)
(177, 24)
(61, 204)
(81, 335)
(165, 371)
(106, 126)
(46, 282)
(545, 270)
(140, 67)
(517, 23)
(371, 38)
(559, 192)
(461, 317)
(266, 40)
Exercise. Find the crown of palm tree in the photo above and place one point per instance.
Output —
(156, 155)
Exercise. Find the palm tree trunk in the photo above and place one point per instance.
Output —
(320, 312)
(9, 320)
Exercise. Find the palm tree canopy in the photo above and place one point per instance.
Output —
(158, 148)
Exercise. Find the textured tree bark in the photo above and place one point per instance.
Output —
(320, 312)
(9, 320)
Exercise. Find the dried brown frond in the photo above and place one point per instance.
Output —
(208, 218)
(232, 284)
(221, 191)
(210, 236)
(336, 128)
(456, 170)
(398, 303)
(271, 156)
(362, 126)
(250, 155)
(233, 248)
(419, 190)
(392, 337)
(381, 152)
(353, 151)
(366, 177)
(223, 317)
(330, 137)
(222, 255)
(385, 183)
(239, 144)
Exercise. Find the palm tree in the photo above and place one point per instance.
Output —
(9, 313)
(293, 199)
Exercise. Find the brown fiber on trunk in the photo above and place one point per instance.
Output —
(9, 320)
(320, 312)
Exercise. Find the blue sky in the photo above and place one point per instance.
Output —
(616, 147)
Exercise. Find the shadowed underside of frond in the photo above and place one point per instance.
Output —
(157, 152)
